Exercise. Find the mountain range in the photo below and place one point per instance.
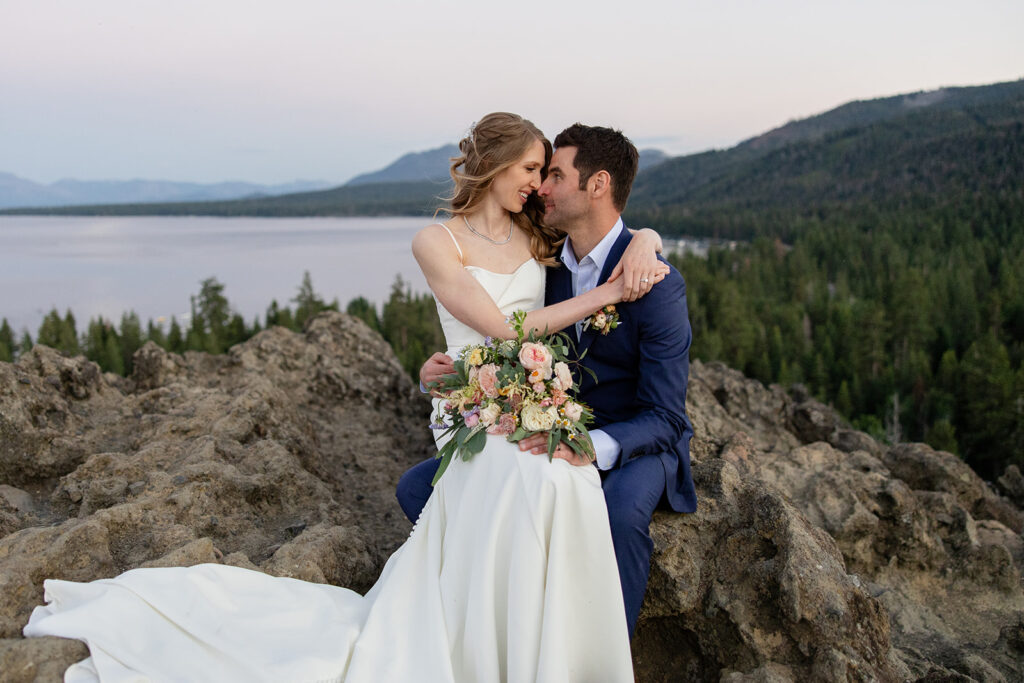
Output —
(872, 152)
(19, 192)
(432, 165)
(428, 166)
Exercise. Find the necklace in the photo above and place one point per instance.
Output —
(483, 236)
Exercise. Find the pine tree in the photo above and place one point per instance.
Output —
(211, 313)
(113, 358)
(363, 309)
(68, 339)
(94, 342)
(25, 344)
(175, 338)
(155, 334)
(987, 405)
(50, 332)
(942, 437)
(6, 342)
(307, 302)
(844, 404)
(131, 339)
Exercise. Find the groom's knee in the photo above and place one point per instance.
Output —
(414, 488)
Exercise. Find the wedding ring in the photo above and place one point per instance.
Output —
(643, 279)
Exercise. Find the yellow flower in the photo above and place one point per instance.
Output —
(476, 357)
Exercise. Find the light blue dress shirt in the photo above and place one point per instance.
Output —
(585, 274)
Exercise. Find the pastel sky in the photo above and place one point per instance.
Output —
(271, 91)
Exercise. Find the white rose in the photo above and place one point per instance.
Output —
(573, 411)
(490, 414)
(537, 419)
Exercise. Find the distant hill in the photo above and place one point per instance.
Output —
(18, 192)
(377, 199)
(921, 149)
(429, 165)
(434, 165)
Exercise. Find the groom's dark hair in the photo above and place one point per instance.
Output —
(602, 149)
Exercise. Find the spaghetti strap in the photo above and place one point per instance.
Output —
(457, 247)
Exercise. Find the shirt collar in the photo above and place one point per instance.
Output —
(599, 254)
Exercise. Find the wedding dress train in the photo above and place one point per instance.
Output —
(508, 575)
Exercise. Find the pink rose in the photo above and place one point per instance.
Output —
(538, 387)
(488, 377)
(536, 356)
(559, 397)
(564, 376)
(505, 425)
(472, 417)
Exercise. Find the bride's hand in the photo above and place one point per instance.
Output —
(639, 266)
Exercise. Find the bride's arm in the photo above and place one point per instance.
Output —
(639, 265)
(466, 299)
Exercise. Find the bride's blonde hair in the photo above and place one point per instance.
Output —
(494, 143)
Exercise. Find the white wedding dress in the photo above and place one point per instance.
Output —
(508, 575)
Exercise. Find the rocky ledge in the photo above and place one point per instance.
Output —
(817, 553)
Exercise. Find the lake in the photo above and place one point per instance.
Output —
(108, 265)
(105, 266)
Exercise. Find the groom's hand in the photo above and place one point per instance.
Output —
(538, 445)
(436, 367)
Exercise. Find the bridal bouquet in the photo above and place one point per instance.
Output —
(511, 387)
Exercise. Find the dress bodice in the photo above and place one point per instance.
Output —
(522, 289)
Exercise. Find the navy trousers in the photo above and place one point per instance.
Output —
(632, 493)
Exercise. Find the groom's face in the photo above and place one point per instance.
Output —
(565, 204)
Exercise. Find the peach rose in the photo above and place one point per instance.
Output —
(573, 411)
(564, 376)
(488, 377)
(536, 356)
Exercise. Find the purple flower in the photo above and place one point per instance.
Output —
(489, 342)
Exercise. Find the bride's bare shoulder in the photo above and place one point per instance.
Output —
(435, 241)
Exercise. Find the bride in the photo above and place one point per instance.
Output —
(509, 573)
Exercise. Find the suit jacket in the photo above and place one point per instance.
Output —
(642, 366)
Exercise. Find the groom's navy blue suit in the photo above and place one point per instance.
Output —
(639, 400)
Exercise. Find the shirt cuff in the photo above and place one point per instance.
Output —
(423, 389)
(606, 448)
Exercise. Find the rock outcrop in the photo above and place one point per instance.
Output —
(817, 553)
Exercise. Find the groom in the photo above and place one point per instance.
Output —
(641, 434)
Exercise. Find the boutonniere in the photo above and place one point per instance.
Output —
(604, 320)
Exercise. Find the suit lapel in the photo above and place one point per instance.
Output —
(614, 255)
(559, 288)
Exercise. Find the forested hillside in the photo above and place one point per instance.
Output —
(885, 271)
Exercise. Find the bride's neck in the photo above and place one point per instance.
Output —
(490, 219)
